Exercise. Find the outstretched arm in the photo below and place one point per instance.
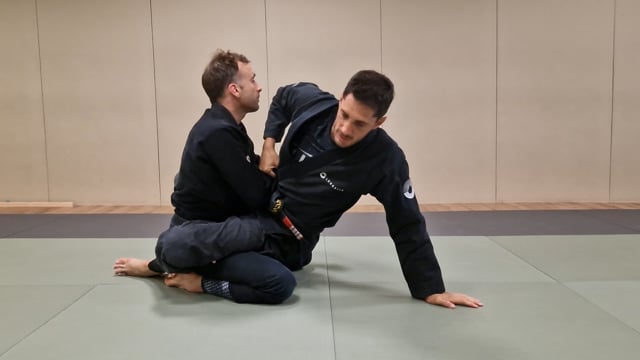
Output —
(450, 300)
(408, 230)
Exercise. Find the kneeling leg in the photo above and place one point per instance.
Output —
(246, 277)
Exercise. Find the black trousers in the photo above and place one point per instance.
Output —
(255, 254)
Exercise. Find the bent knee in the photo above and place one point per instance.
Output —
(280, 287)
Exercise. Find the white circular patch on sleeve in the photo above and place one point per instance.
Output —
(407, 190)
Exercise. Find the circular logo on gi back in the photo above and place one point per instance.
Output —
(407, 190)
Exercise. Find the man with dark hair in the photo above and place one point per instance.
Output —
(219, 177)
(334, 152)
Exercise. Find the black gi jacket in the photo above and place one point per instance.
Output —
(316, 197)
(219, 175)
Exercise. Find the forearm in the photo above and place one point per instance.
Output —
(269, 145)
(269, 159)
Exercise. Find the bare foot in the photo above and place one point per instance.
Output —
(133, 267)
(191, 282)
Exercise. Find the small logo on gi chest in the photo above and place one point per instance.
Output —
(407, 190)
(248, 159)
(323, 176)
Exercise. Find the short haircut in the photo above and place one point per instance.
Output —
(371, 88)
(220, 72)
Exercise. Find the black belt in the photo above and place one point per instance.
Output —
(277, 210)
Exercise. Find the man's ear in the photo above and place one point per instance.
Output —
(380, 121)
(233, 89)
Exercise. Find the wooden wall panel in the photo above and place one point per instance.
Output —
(23, 167)
(625, 157)
(99, 101)
(497, 101)
(554, 100)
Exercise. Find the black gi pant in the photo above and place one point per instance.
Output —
(255, 254)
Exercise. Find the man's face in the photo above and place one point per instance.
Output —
(248, 87)
(353, 122)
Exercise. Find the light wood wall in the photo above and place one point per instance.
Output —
(497, 100)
